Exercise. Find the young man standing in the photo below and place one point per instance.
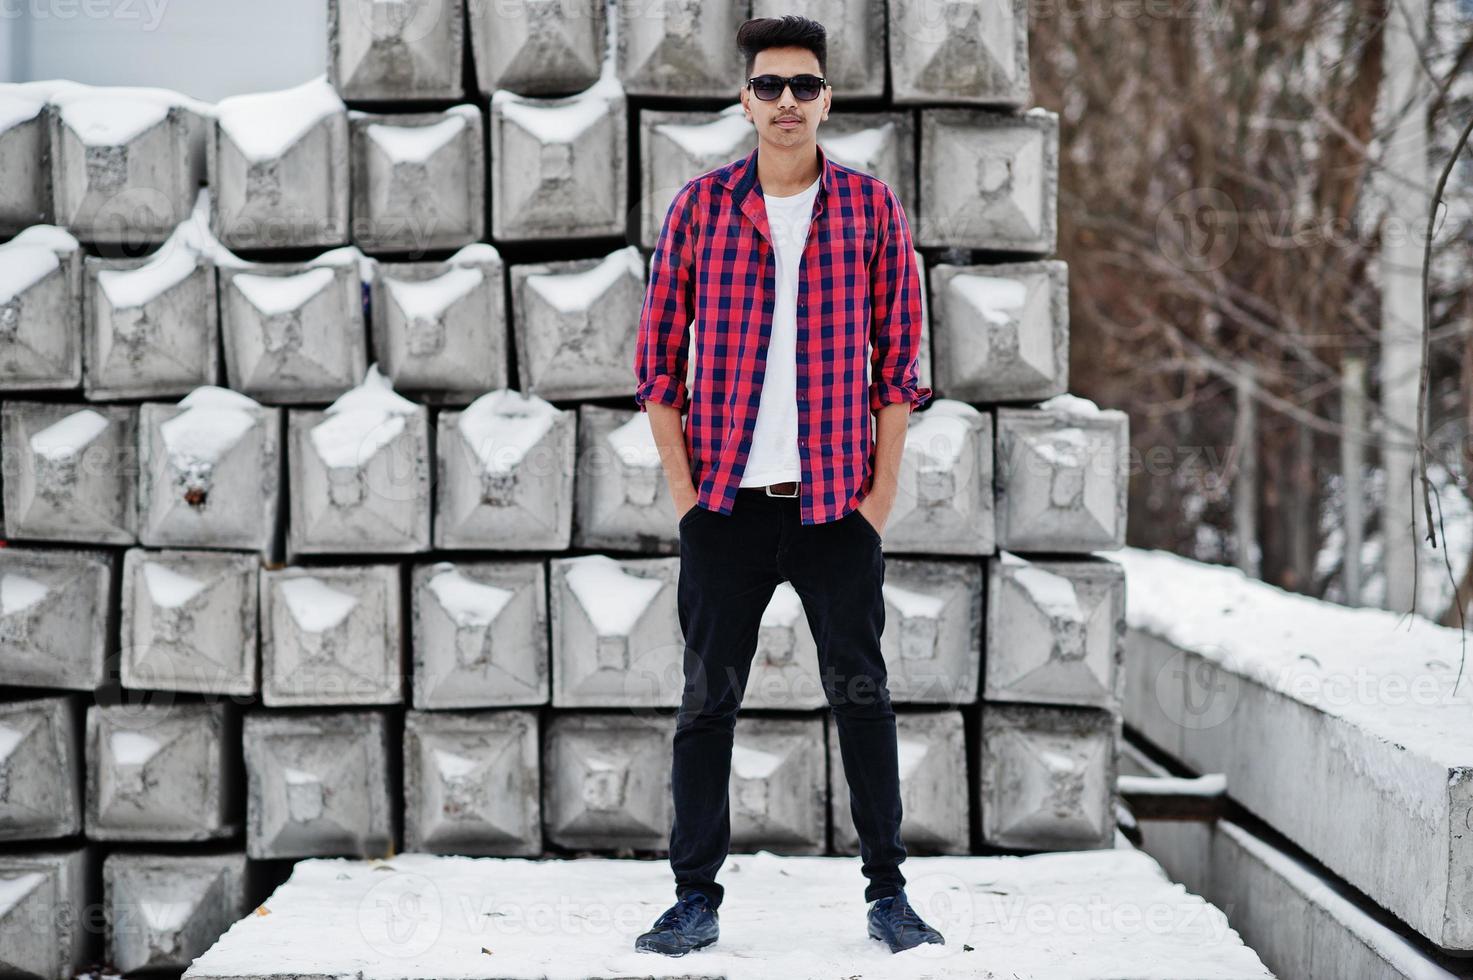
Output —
(789, 276)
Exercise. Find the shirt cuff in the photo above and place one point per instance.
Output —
(663, 389)
(882, 394)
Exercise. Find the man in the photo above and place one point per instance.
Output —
(791, 275)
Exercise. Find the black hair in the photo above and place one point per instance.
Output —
(788, 31)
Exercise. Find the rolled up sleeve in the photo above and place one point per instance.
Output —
(896, 318)
(661, 351)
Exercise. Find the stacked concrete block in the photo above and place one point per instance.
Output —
(856, 35)
(932, 753)
(45, 898)
(331, 635)
(189, 621)
(440, 328)
(682, 48)
(538, 49)
(972, 52)
(504, 476)
(479, 634)
(360, 474)
(623, 498)
(317, 784)
(419, 179)
(559, 166)
(785, 673)
(777, 792)
(615, 635)
(41, 765)
(472, 783)
(40, 308)
(607, 783)
(577, 324)
(71, 472)
(163, 910)
(209, 472)
(944, 499)
(676, 146)
(933, 629)
(25, 155)
(55, 617)
(395, 49)
(278, 169)
(161, 772)
(877, 143)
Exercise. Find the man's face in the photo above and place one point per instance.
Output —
(770, 118)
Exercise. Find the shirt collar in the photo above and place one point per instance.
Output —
(740, 177)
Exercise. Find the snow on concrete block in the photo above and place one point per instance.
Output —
(974, 54)
(54, 617)
(934, 791)
(25, 159)
(856, 43)
(785, 674)
(676, 146)
(682, 49)
(615, 634)
(317, 784)
(189, 621)
(505, 474)
(331, 635)
(777, 792)
(1001, 331)
(40, 307)
(876, 143)
(534, 49)
(607, 782)
(944, 505)
(1048, 776)
(396, 49)
(41, 763)
(210, 472)
(559, 166)
(1062, 476)
(933, 631)
(164, 771)
(479, 634)
(278, 166)
(45, 900)
(576, 335)
(989, 180)
(440, 328)
(472, 783)
(419, 179)
(1055, 631)
(163, 910)
(360, 474)
(295, 332)
(623, 498)
(71, 472)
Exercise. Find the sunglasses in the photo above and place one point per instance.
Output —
(768, 87)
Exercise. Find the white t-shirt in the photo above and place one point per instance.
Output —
(773, 457)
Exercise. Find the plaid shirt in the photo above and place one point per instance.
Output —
(859, 317)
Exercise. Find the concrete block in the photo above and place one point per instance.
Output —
(558, 166)
(472, 783)
(785, 674)
(1055, 631)
(505, 474)
(189, 621)
(623, 498)
(480, 634)
(295, 332)
(933, 631)
(210, 472)
(54, 617)
(44, 914)
(608, 782)
(395, 49)
(331, 635)
(163, 910)
(440, 328)
(777, 794)
(933, 784)
(973, 53)
(41, 765)
(71, 472)
(278, 169)
(1062, 476)
(856, 36)
(682, 48)
(25, 159)
(877, 143)
(676, 146)
(538, 49)
(1001, 332)
(419, 179)
(944, 502)
(616, 638)
(161, 772)
(578, 324)
(40, 307)
(989, 180)
(1048, 777)
(317, 784)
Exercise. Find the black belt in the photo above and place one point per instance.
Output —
(788, 488)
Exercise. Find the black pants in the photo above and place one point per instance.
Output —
(730, 565)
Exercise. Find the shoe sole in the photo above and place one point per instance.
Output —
(900, 949)
(673, 951)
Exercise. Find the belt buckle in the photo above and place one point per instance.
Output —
(797, 487)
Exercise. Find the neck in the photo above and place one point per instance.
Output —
(787, 170)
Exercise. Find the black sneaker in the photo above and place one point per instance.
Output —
(688, 924)
(893, 920)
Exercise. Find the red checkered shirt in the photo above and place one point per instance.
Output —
(859, 329)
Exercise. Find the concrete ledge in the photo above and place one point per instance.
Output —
(534, 50)
(163, 910)
(608, 782)
(41, 768)
(977, 53)
(945, 488)
(681, 50)
(56, 617)
(25, 154)
(71, 472)
(41, 307)
(777, 792)
(44, 901)
(400, 51)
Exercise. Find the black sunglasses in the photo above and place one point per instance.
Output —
(768, 87)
